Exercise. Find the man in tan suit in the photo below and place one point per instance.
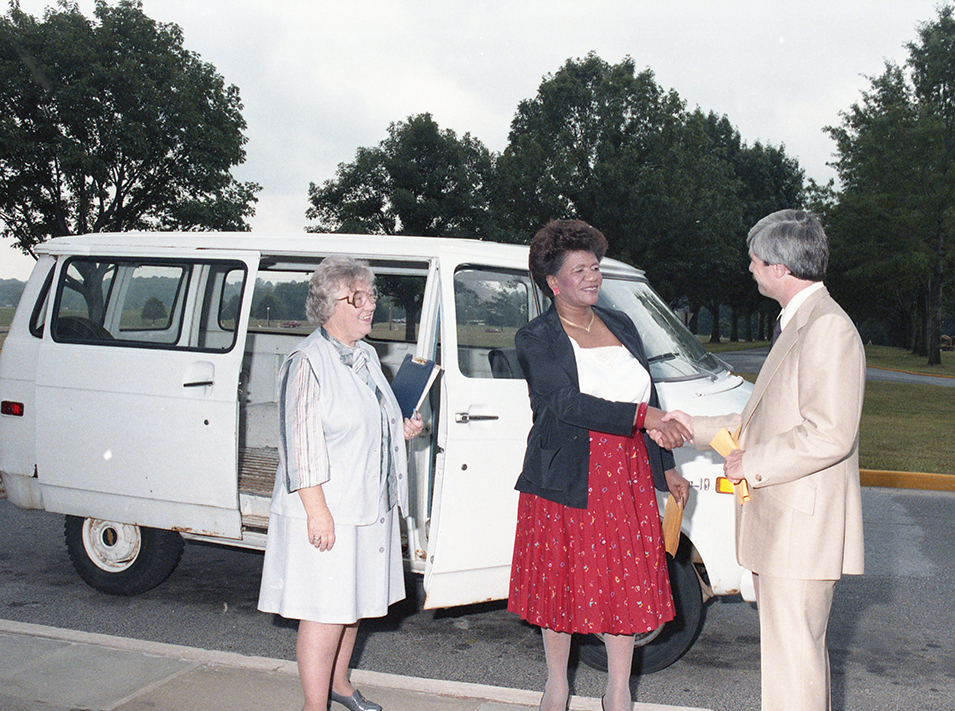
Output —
(801, 530)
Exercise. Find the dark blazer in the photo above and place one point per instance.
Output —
(557, 460)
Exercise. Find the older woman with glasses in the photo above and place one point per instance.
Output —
(333, 554)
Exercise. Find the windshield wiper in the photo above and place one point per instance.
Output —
(663, 356)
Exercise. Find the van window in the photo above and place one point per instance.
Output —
(489, 307)
(278, 304)
(674, 353)
(38, 318)
(184, 304)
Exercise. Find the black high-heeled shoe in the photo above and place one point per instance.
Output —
(355, 702)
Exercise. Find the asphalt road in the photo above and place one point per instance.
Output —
(892, 633)
(751, 360)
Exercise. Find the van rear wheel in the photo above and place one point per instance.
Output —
(121, 558)
(677, 636)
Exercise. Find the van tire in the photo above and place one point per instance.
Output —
(678, 634)
(119, 558)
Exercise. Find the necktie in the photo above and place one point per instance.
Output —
(777, 329)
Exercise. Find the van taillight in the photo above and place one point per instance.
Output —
(11, 408)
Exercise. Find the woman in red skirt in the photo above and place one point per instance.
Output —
(588, 555)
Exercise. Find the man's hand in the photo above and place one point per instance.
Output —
(669, 429)
(733, 466)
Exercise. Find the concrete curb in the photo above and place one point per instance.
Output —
(907, 480)
(201, 657)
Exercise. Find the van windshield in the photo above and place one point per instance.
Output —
(674, 352)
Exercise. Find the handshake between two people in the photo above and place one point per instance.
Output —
(668, 429)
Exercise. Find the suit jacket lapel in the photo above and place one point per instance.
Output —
(777, 354)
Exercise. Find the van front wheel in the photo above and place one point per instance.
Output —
(677, 636)
(121, 558)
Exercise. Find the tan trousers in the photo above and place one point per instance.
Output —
(793, 617)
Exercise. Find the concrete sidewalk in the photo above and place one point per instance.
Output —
(50, 669)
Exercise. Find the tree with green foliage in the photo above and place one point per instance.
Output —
(770, 181)
(268, 307)
(153, 310)
(420, 180)
(589, 145)
(606, 144)
(894, 218)
(110, 124)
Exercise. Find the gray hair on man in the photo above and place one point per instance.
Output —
(326, 281)
(793, 238)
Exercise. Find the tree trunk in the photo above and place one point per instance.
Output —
(920, 347)
(748, 326)
(694, 324)
(934, 321)
(715, 329)
(734, 324)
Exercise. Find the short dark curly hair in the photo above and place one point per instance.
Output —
(552, 243)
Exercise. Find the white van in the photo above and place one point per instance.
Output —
(138, 388)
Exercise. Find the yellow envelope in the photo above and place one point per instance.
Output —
(724, 443)
(672, 520)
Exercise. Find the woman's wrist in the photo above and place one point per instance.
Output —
(653, 418)
(640, 421)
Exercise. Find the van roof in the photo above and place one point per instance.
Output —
(298, 245)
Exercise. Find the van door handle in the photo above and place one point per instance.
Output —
(464, 417)
(200, 374)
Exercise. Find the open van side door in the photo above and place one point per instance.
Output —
(137, 381)
(485, 417)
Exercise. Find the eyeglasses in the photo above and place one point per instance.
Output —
(359, 298)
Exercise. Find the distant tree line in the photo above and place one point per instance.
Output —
(673, 190)
(10, 292)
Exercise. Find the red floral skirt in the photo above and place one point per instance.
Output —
(599, 569)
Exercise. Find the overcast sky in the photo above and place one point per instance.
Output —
(320, 79)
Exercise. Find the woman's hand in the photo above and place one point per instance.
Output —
(678, 486)
(321, 529)
(413, 426)
(683, 418)
(321, 525)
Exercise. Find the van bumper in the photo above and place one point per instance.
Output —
(22, 491)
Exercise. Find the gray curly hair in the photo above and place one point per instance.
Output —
(326, 281)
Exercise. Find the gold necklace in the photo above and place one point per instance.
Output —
(571, 323)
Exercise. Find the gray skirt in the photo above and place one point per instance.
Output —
(359, 577)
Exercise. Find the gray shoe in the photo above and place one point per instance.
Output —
(355, 702)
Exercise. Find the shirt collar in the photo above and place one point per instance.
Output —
(794, 303)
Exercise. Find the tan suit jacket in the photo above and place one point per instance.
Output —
(800, 433)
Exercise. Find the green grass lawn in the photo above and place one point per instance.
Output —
(907, 428)
(876, 356)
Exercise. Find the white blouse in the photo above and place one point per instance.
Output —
(611, 373)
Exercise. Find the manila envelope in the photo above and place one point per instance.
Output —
(672, 520)
(724, 443)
